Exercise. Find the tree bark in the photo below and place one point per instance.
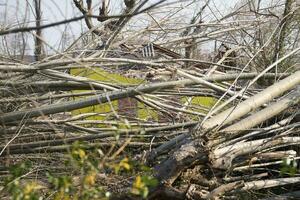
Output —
(38, 49)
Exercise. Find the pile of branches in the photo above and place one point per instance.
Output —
(237, 145)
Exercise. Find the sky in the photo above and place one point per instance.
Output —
(57, 10)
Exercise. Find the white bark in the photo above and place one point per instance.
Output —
(266, 113)
(222, 158)
(256, 185)
(254, 102)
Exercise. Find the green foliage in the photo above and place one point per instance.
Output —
(82, 185)
(288, 167)
(142, 184)
(63, 184)
(78, 154)
(122, 165)
(18, 191)
(19, 169)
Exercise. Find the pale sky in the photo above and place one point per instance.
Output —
(57, 10)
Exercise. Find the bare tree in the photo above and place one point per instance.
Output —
(38, 47)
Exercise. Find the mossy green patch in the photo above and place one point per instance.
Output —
(139, 110)
(106, 109)
(200, 104)
(104, 76)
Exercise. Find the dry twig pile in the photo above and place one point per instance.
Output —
(237, 143)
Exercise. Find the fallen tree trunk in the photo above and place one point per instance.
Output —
(253, 103)
(103, 98)
(265, 114)
(192, 151)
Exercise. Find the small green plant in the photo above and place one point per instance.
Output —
(142, 184)
(17, 190)
(288, 166)
(122, 165)
(82, 185)
(63, 186)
